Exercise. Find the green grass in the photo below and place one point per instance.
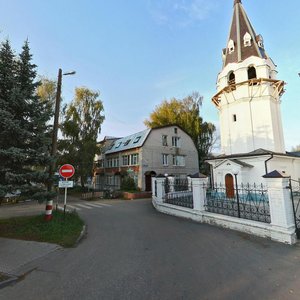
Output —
(62, 230)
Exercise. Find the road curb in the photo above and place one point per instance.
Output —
(12, 279)
(82, 233)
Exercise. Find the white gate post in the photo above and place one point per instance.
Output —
(199, 184)
(158, 188)
(281, 209)
(189, 182)
(171, 180)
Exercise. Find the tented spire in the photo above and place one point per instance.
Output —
(243, 41)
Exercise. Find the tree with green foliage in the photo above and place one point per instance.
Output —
(47, 91)
(24, 135)
(83, 119)
(186, 114)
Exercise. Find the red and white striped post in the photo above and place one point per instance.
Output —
(49, 208)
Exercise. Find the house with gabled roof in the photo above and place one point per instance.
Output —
(164, 150)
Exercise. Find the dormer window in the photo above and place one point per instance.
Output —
(260, 41)
(231, 80)
(137, 139)
(230, 46)
(247, 40)
(126, 142)
(111, 146)
(118, 145)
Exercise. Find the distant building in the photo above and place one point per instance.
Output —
(165, 150)
(248, 100)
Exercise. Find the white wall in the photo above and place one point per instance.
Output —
(290, 166)
(256, 107)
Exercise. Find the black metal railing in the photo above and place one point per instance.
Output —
(295, 196)
(246, 202)
(178, 192)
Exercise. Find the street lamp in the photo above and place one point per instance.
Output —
(235, 173)
(54, 139)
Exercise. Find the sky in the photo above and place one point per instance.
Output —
(137, 53)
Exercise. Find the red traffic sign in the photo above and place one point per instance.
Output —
(66, 171)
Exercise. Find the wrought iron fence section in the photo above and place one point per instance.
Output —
(247, 202)
(177, 185)
(179, 192)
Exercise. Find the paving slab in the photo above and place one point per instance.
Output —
(16, 253)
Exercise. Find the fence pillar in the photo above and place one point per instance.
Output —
(281, 209)
(171, 180)
(158, 188)
(199, 183)
(189, 183)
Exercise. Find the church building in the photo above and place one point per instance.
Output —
(248, 99)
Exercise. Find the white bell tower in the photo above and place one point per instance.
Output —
(248, 93)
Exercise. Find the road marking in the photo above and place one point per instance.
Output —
(95, 205)
(73, 207)
(84, 206)
(104, 204)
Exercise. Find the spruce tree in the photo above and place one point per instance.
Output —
(24, 137)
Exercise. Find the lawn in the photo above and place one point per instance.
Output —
(62, 230)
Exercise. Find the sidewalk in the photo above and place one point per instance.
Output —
(15, 254)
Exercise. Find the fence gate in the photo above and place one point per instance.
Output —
(295, 195)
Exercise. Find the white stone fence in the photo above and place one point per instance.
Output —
(282, 225)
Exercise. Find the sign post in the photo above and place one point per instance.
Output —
(66, 171)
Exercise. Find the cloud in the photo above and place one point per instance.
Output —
(181, 13)
(169, 80)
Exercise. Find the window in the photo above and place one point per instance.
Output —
(125, 161)
(136, 140)
(175, 130)
(247, 40)
(252, 74)
(134, 159)
(118, 145)
(165, 159)
(165, 140)
(127, 142)
(179, 160)
(109, 163)
(230, 46)
(231, 78)
(234, 118)
(115, 163)
(175, 141)
(100, 163)
(111, 146)
(110, 180)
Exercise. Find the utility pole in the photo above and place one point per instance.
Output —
(49, 204)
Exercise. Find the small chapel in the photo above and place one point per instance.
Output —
(248, 100)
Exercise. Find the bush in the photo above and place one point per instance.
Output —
(128, 184)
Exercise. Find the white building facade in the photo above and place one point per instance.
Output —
(248, 101)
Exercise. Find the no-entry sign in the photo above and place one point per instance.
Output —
(66, 171)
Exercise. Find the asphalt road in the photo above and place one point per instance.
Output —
(133, 252)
